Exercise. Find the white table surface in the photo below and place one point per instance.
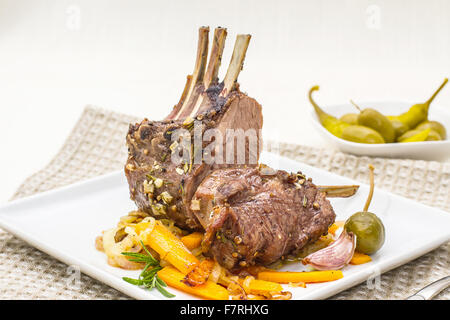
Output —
(133, 57)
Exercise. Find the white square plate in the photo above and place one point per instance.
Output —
(65, 222)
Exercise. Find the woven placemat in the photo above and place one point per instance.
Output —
(97, 146)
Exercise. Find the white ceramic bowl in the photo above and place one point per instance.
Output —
(430, 150)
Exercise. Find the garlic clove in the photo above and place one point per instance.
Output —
(336, 255)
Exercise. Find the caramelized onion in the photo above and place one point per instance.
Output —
(282, 295)
(114, 250)
(336, 255)
(215, 273)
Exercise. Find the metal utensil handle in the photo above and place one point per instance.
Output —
(431, 290)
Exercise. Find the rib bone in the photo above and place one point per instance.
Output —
(199, 69)
(177, 107)
(339, 191)
(236, 63)
(186, 89)
(216, 56)
(213, 65)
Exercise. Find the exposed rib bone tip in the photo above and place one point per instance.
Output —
(199, 69)
(236, 63)
(215, 58)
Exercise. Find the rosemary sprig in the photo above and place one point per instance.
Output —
(148, 277)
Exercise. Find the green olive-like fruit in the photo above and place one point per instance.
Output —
(433, 125)
(361, 134)
(369, 231)
(433, 135)
(399, 127)
(350, 118)
(377, 121)
(408, 134)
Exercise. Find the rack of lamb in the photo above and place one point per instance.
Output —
(199, 167)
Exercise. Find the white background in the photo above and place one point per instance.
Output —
(133, 57)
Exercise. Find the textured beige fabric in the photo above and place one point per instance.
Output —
(97, 146)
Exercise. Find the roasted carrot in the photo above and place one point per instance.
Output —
(360, 258)
(168, 246)
(338, 224)
(193, 240)
(209, 290)
(199, 275)
(332, 229)
(258, 287)
(307, 277)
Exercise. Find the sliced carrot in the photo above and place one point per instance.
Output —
(168, 246)
(209, 290)
(193, 240)
(258, 287)
(332, 229)
(142, 226)
(255, 297)
(200, 273)
(336, 225)
(307, 277)
(360, 258)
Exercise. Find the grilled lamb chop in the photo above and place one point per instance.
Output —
(164, 188)
(252, 218)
